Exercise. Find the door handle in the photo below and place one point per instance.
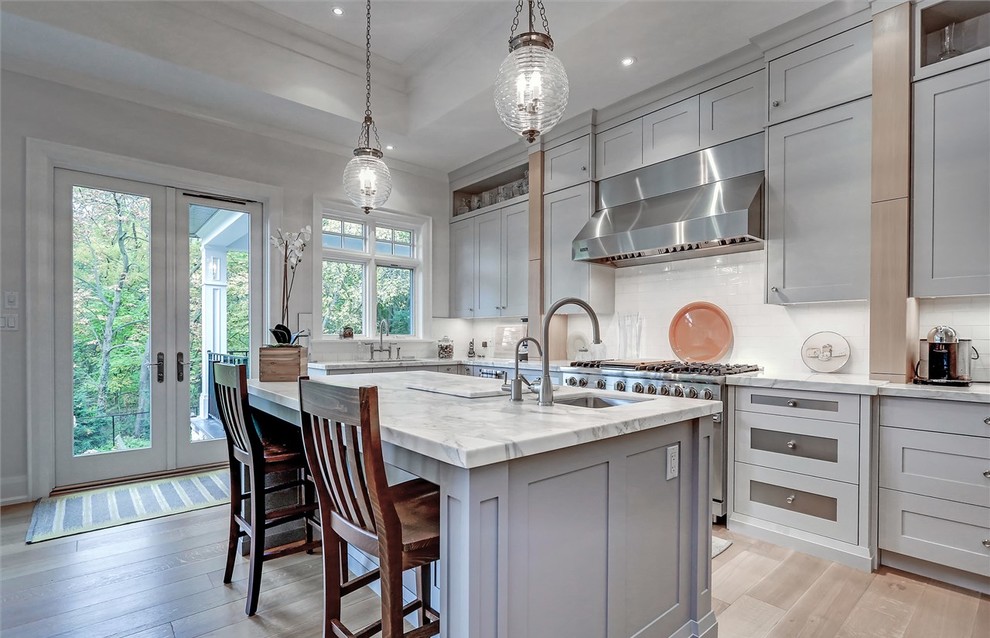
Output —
(180, 367)
(160, 362)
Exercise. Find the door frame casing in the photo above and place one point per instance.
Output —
(42, 158)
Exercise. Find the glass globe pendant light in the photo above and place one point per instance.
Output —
(367, 181)
(531, 88)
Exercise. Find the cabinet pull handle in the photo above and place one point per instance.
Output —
(775, 103)
(774, 289)
(584, 168)
(789, 499)
(791, 403)
(986, 474)
(791, 444)
(987, 420)
(986, 543)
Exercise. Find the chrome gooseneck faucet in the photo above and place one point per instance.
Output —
(546, 385)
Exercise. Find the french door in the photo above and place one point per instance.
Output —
(150, 285)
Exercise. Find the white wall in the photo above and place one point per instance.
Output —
(767, 335)
(49, 111)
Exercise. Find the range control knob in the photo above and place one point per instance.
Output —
(651, 389)
(620, 386)
(601, 384)
(692, 393)
(706, 394)
(583, 383)
(665, 391)
(571, 381)
(678, 391)
(638, 388)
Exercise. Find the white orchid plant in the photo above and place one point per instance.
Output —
(290, 247)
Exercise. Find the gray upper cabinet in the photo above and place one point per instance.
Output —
(619, 149)
(818, 206)
(833, 71)
(567, 164)
(951, 194)
(489, 269)
(564, 215)
(463, 265)
(515, 260)
(733, 110)
(671, 131)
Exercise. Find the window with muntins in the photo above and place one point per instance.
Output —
(370, 269)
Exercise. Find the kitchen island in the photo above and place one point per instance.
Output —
(556, 521)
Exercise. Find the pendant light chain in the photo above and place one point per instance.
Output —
(543, 15)
(364, 138)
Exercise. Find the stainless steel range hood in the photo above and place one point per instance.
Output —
(705, 203)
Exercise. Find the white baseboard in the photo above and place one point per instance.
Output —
(14, 489)
(856, 556)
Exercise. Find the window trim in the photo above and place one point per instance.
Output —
(420, 225)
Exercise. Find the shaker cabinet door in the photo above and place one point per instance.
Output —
(489, 265)
(463, 264)
(567, 164)
(951, 227)
(565, 214)
(670, 132)
(733, 110)
(619, 149)
(515, 260)
(833, 71)
(818, 206)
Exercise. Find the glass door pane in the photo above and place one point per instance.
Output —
(214, 324)
(109, 300)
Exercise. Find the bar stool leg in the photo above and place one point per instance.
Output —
(257, 558)
(234, 535)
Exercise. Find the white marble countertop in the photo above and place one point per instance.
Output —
(474, 432)
(976, 393)
(833, 382)
(413, 363)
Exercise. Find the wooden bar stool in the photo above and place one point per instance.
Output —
(400, 524)
(258, 457)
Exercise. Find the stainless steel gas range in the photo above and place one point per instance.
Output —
(668, 378)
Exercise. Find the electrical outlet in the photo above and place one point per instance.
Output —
(8, 322)
(673, 461)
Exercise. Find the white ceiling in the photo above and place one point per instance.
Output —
(292, 70)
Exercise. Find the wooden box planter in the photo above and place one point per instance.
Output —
(282, 363)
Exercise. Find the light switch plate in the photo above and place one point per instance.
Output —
(11, 299)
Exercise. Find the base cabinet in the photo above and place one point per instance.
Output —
(934, 507)
(800, 464)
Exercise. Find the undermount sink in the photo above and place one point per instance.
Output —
(594, 401)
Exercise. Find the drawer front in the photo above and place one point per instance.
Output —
(828, 449)
(833, 71)
(827, 406)
(808, 503)
(567, 165)
(952, 417)
(948, 466)
(453, 369)
(935, 530)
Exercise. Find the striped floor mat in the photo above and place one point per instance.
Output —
(97, 509)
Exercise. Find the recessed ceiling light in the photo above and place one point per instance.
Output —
(389, 147)
(628, 61)
(337, 11)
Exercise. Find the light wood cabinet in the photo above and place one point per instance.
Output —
(818, 206)
(567, 164)
(825, 74)
(734, 110)
(619, 149)
(670, 132)
(564, 215)
(951, 217)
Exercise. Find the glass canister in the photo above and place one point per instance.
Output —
(445, 348)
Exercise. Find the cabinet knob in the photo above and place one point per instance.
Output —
(775, 103)
(986, 543)
(986, 474)
(791, 445)
(774, 289)
(791, 403)
(790, 499)
(987, 420)
(584, 168)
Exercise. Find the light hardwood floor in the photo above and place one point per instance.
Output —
(162, 579)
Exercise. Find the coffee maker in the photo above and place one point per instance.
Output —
(944, 358)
